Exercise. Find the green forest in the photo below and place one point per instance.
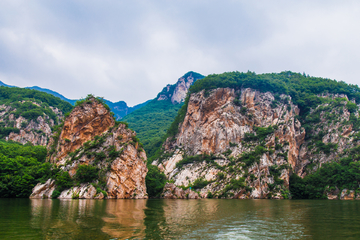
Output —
(21, 168)
(151, 123)
(12, 95)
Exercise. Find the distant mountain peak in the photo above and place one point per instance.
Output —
(176, 93)
(5, 85)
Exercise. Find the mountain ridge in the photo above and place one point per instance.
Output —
(120, 108)
(277, 136)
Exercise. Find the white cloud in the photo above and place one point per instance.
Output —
(128, 51)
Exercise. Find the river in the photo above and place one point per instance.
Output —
(179, 219)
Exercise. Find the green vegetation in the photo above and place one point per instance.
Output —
(5, 131)
(15, 95)
(21, 168)
(156, 119)
(198, 158)
(303, 89)
(341, 175)
(261, 134)
(88, 100)
(249, 158)
(200, 183)
(86, 173)
(151, 122)
(155, 181)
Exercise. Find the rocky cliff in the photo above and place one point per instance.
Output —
(246, 143)
(90, 137)
(176, 93)
(29, 121)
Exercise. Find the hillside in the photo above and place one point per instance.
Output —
(94, 157)
(242, 135)
(29, 115)
(120, 108)
(151, 121)
(21, 168)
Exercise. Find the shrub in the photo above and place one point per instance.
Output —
(221, 175)
(200, 183)
(86, 173)
(56, 193)
(243, 110)
(63, 181)
(155, 181)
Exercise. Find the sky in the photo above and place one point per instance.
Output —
(129, 50)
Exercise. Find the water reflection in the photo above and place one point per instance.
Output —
(68, 219)
(178, 219)
(125, 219)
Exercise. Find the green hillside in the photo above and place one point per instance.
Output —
(305, 91)
(21, 168)
(14, 94)
(151, 122)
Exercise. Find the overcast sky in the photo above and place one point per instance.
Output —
(129, 50)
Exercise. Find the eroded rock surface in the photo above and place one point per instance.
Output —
(37, 131)
(91, 137)
(84, 123)
(177, 92)
(246, 144)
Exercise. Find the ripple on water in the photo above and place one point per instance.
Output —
(178, 219)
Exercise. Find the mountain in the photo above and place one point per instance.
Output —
(72, 102)
(29, 115)
(279, 135)
(120, 108)
(4, 85)
(99, 158)
(176, 93)
(151, 121)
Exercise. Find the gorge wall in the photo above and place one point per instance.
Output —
(246, 143)
(91, 137)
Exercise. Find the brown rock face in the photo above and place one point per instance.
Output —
(228, 124)
(90, 137)
(246, 143)
(83, 124)
(126, 178)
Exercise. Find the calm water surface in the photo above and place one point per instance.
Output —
(179, 219)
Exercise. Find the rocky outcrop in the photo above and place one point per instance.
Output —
(176, 93)
(181, 89)
(347, 194)
(36, 131)
(246, 143)
(84, 191)
(249, 139)
(83, 124)
(331, 135)
(91, 137)
(44, 190)
(332, 194)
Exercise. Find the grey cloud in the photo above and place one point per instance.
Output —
(128, 50)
